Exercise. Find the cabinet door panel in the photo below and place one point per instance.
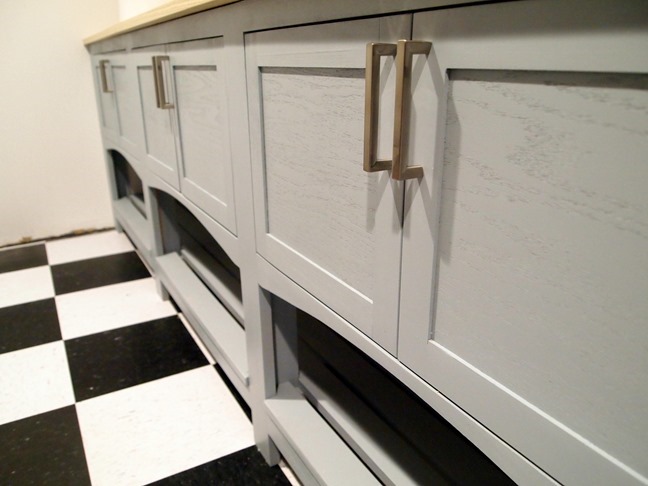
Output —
(126, 92)
(158, 123)
(199, 84)
(324, 222)
(529, 231)
(107, 105)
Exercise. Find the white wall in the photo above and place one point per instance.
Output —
(52, 173)
(131, 8)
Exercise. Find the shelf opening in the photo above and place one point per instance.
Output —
(129, 184)
(183, 234)
(400, 438)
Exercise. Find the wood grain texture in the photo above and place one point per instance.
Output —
(533, 247)
(128, 105)
(543, 271)
(160, 141)
(199, 110)
(306, 147)
(223, 336)
(313, 142)
(169, 11)
(203, 128)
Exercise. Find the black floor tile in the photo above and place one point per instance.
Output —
(22, 258)
(26, 325)
(237, 396)
(97, 272)
(44, 449)
(117, 359)
(245, 467)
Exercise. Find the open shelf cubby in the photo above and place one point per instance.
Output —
(378, 421)
(205, 283)
(129, 205)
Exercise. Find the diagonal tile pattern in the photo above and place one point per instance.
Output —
(129, 356)
(102, 382)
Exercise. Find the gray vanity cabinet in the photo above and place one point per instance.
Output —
(516, 189)
(457, 191)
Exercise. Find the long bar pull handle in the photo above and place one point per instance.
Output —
(372, 99)
(103, 74)
(405, 50)
(160, 87)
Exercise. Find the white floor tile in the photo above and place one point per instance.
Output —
(34, 380)
(109, 307)
(88, 246)
(24, 286)
(151, 431)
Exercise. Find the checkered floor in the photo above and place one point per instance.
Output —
(103, 383)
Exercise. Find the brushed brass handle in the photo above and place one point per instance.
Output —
(160, 87)
(103, 68)
(405, 50)
(372, 99)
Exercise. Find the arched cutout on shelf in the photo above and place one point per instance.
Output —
(183, 234)
(364, 412)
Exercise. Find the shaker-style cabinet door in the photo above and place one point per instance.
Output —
(157, 100)
(198, 76)
(105, 88)
(320, 218)
(126, 92)
(525, 252)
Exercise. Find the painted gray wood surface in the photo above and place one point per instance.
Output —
(514, 464)
(313, 127)
(126, 93)
(322, 451)
(134, 224)
(591, 36)
(217, 280)
(159, 128)
(108, 108)
(330, 226)
(544, 217)
(386, 453)
(524, 270)
(203, 128)
(219, 328)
